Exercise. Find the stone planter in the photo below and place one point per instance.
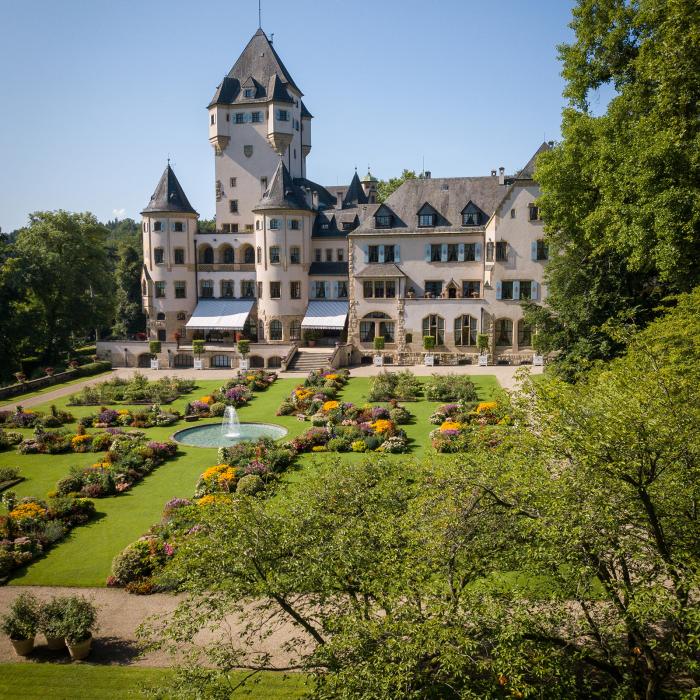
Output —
(155, 364)
(56, 643)
(199, 364)
(80, 650)
(483, 360)
(244, 364)
(23, 647)
(378, 361)
(429, 360)
(538, 360)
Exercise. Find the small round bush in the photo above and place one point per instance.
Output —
(250, 484)
(132, 564)
(338, 444)
(217, 409)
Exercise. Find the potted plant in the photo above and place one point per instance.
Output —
(154, 348)
(49, 371)
(429, 346)
(379, 346)
(51, 622)
(411, 293)
(198, 349)
(482, 344)
(21, 377)
(79, 622)
(243, 350)
(310, 338)
(21, 623)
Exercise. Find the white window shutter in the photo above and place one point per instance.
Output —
(365, 248)
(397, 253)
(381, 253)
(427, 252)
(516, 289)
(336, 289)
(535, 291)
(460, 253)
(443, 252)
(533, 250)
(499, 290)
(327, 289)
(477, 252)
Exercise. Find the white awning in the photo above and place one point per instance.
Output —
(325, 315)
(224, 314)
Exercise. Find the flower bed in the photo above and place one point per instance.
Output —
(128, 459)
(255, 379)
(245, 469)
(19, 418)
(450, 387)
(344, 427)
(319, 388)
(32, 526)
(462, 424)
(9, 439)
(150, 417)
(132, 391)
(403, 386)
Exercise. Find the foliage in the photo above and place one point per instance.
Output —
(198, 347)
(137, 389)
(128, 312)
(52, 617)
(385, 188)
(379, 343)
(403, 386)
(482, 343)
(243, 347)
(450, 387)
(22, 619)
(154, 347)
(79, 619)
(428, 342)
(620, 192)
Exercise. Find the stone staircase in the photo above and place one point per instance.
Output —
(306, 360)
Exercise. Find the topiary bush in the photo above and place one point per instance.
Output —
(450, 387)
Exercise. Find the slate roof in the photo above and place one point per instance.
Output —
(529, 170)
(325, 198)
(305, 114)
(333, 220)
(355, 194)
(259, 61)
(334, 269)
(282, 193)
(380, 270)
(169, 196)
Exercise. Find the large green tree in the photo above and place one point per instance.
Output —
(620, 193)
(68, 279)
(559, 557)
(385, 188)
(128, 311)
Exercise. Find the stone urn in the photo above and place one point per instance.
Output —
(23, 647)
(79, 650)
(56, 643)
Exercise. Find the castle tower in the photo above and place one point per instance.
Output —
(369, 186)
(256, 117)
(283, 224)
(168, 286)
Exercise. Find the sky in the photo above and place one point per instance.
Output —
(95, 95)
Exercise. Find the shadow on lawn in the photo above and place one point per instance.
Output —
(110, 651)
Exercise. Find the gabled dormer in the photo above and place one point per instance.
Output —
(250, 90)
(472, 215)
(384, 217)
(428, 216)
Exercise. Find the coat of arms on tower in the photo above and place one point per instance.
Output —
(248, 151)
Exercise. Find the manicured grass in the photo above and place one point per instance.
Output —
(18, 398)
(85, 557)
(26, 681)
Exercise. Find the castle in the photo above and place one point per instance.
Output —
(292, 263)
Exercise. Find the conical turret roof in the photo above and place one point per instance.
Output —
(282, 193)
(169, 196)
(355, 193)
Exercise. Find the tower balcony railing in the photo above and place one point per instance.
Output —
(226, 267)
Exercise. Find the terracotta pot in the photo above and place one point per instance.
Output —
(80, 650)
(23, 647)
(56, 643)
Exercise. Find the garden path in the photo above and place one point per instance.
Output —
(119, 615)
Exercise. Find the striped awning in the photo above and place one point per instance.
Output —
(325, 315)
(220, 314)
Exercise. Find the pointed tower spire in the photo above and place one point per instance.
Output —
(169, 195)
(282, 192)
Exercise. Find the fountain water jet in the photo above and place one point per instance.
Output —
(231, 425)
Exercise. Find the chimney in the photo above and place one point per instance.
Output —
(493, 173)
(501, 176)
(428, 174)
(314, 200)
(307, 195)
(550, 144)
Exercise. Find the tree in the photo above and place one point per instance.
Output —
(67, 275)
(207, 225)
(129, 316)
(385, 188)
(558, 557)
(620, 192)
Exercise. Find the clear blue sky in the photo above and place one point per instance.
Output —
(94, 94)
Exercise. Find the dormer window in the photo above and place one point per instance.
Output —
(249, 93)
(471, 215)
(426, 220)
(383, 221)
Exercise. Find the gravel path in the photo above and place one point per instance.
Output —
(119, 614)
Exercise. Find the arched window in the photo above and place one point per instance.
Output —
(465, 330)
(259, 258)
(221, 361)
(206, 255)
(256, 361)
(504, 333)
(434, 325)
(183, 360)
(376, 324)
(226, 255)
(160, 316)
(248, 255)
(524, 334)
(261, 332)
(295, 330)
(275, 330)
(274, 362)
(181, 315)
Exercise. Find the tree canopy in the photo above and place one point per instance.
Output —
(620, 193)
(387, 187)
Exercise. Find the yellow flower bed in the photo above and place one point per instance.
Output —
(382, 425)
(330, 376)
(330, 405)
(100, 465)
(123, 412)
(487, 406)
(78, 440)
(450, 425)
(214, 499)
(208, 400)
(214, 472)
(28, 511)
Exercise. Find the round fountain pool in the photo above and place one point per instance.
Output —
(216, 435)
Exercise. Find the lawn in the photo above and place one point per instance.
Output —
(66, 682)
(84, 557)
(19, 398)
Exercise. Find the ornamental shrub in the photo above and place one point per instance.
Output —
(133, 563)
(250, 484)
(450, 387)
(22, 620)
